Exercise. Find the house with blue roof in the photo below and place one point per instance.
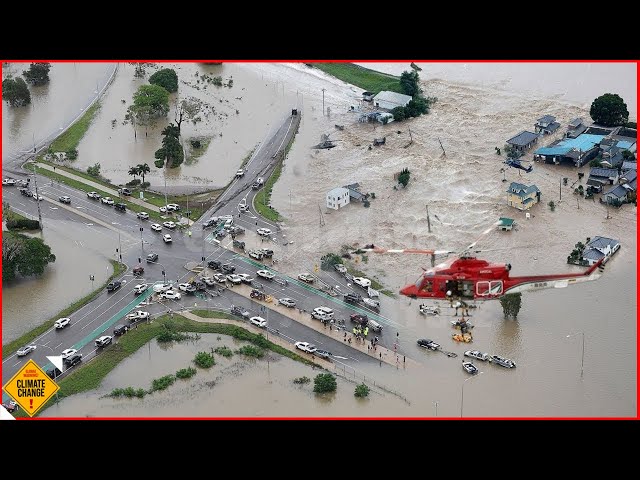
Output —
(577, 151)
(598, 248)
(522, 197)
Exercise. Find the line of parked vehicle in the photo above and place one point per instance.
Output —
(468, 366)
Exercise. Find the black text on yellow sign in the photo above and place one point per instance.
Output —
(31, 387)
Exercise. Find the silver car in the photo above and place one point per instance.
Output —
(25, 350)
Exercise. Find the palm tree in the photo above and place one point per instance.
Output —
(134, 171)
(143, 169)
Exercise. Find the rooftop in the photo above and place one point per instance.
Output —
(547, 119)
(603, 172)
(576, 122)
(522, 139)
(522, 190)
(601, 242)
(583, 143)
(390, 100)
(617, 191)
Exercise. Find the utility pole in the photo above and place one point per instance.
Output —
(119, 247)
(141, 243)
(323, 102)
(35, 180)
(428, 220)
(443, 152)
(561, 189)
(165, 187)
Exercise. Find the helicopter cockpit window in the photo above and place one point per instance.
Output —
(428, 286)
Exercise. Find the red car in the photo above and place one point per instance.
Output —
(359, 319)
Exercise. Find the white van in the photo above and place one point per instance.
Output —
(325, 312)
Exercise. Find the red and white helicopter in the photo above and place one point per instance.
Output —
(466, 277)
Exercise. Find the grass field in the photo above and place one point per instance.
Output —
(367, 79)
(71, 138)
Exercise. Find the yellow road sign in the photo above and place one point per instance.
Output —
(31, 387)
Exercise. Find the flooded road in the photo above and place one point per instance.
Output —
(79, 251)
(53, 106)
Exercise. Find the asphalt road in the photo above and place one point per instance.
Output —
(109, 309)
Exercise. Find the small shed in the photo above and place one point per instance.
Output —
(505, 224)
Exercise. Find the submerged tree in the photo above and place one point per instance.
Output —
(16, 92)
(409, 83)
(609, 110)
(405, 174)
(23, 255)
(511, 303)
(38, 73)
(166, 78)
(171, 152)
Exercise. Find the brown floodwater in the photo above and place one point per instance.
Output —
(79, 250)
(235, 119)
(53, 106)
(465, 194)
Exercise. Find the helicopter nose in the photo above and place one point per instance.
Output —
(409, 291)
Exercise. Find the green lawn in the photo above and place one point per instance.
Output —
(374, 283)
(90, 375)
(71, 138)
(262, 199)
(11, 347)
(367, 79)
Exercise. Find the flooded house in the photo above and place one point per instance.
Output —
(546, 125)
(522, 141)
(522, 197)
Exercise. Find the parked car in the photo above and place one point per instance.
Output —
(430, 344)
(361, 281)
(152, 257)
(478, 355)
(236, 230)
(8, 181)
(121, 206)
(173, 207)
(167, 238)
(352, 298)
(240, 312)
(287, 302)
(264, 232)
(156, 227)
(143, 216)
(240, 172)
(266, 252)
(37, 197)
(137, 315)
(208, 281)
(170, 225)
(27, 349)
(54, 373)
(246, 278)
(73, 360)
(323, 354)
(139, 270)
(340, 268)
(103, 341)
(94, 195)
(503, 362)
(227, 268)
(68, 352)
(121, 329)
(107, 200)
(306, 277)
(199, 285)
(162, 287)
(220, 278)
(61, 323)
(256, 255)
(324, 310)
(163, 209)
(171, 295)
(259, 322)
(359, 318)
(266, 274)
(124, 191)
(305, 347)
(187, 287)
(25, 191)
(243, 207)
(214, 264)
(138, 289)
(113, 286)
(235, 279)
(64, 199)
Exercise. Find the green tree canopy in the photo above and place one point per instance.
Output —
(361, 391)
(166, 78)
(38, 73)
(143, 169)
(511, 303)
(151, 100)
(16, 92)
(416, 107)
(409, 83)
(609, 110)
(24, 255)
(398, 114)
(404, 177)
(171, 151)
(324, 382)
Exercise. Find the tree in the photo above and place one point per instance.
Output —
(399, 114)
(324, 382)
(151, 100)
(405, 174)
(511, 303)
(38, 73)
(94, 170)
(187, 109)
(416, 107)
(166, 78)
(16, 92)
(24, 255)
(134, 172)
(143, 169)
(609, 110)
(361, 391)
(171, 151)
(409, 83)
